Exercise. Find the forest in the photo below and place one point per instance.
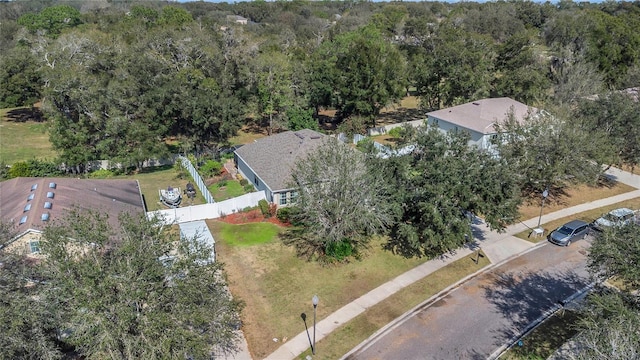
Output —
(126, 81)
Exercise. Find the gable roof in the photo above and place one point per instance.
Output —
(272, 158)
(481, 115)
(27, 197)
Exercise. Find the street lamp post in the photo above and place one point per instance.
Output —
(545, 193)
(314, 300)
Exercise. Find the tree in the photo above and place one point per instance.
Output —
(439, 185)
(299, 119)
(341, 201)
(274, 92)
(20, 78)
(611, 317)
(52, 20)
(119, 291)
(520, 72)
(456, 67)
(547, 151)
(614, 117)
(28, 330)
(359, 72)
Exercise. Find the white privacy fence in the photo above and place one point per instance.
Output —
(208, 211)
(196, 177)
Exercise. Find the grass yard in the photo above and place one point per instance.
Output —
(226, 190)
(277, 286)
(545, 339)
(249, 234)
(23, 136)
(587, 216)
(571, 197)
(153, 179)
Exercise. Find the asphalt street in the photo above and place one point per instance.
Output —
(482, 314)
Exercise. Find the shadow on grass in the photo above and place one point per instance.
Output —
(154, 169)
(25, 114)
(524, 297)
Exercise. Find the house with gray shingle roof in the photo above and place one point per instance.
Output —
(479, 118)
(29, 204)
(268, 163)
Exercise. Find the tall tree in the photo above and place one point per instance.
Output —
(52, 20)
(274, 92)
(20, 78)
(457, 67)
(365, 71)
(549, 151)
(614, 117)
(137, 291)
(610, 318)
(29, 330)
(342, 201)
(439, 185)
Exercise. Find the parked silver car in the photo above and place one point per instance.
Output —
(617, 217)
(569, 232)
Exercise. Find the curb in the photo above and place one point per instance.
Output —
(514, 339)
(425, 304)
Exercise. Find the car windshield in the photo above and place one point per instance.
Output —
(565, 230)
(611, 217)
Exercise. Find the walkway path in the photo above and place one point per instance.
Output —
(498, 247)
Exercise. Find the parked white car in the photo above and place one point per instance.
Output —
(617, 217)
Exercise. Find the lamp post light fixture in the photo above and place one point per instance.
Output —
(314, 300)
(545, 193)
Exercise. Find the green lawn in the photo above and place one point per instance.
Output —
(276, 286)
(247, 234)
(226, 190)
(22, 138)
(151, 180)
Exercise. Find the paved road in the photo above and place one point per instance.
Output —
(478, 317)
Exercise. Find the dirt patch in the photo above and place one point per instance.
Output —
(250, 216)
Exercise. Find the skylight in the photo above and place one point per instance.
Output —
(34, 186)
(45, 217)
(47, 205)
(50, 194)
(27, 207)
(52, 185)
(23, 220)
(30, 197)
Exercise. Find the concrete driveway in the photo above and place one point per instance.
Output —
(481, 315)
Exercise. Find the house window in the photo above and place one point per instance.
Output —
(34, 247)
(294, 197)
(283, 198)
(255, 179)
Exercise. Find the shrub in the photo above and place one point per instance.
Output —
(101, 174)
(273, 209)
(211, 168)
(339, 250)
(181, 172)
(288, 215)
(19, 169)
(222, 183)
(264, 207)
(244, 182)
(396, 132)
(249, 188)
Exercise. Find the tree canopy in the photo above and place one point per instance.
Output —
(136, 291)
(440, 186)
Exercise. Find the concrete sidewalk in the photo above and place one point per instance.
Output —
(497, 246)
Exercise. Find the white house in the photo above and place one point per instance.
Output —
(479, 118)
